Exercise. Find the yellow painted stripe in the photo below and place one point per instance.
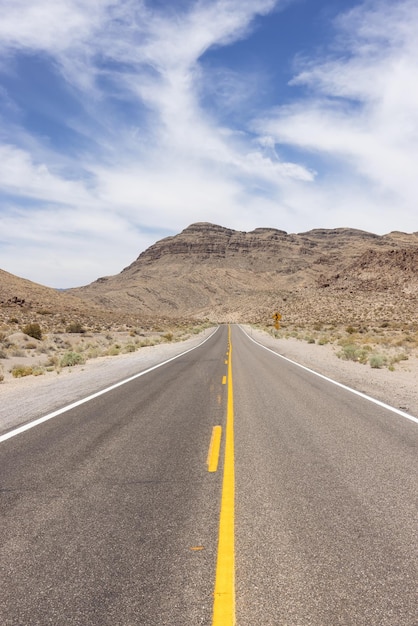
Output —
(224, 596)
(215, 444)
(224, 380)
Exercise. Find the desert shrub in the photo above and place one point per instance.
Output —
(349, 352)
(13, 320)
(350, 330)
(399, 357)
(363, 354)
(322, 341)
(33, 330)
(114, 350)
(377, 361)
(352, 352)
(18, 371)
(168, 336)
(129, 348)
(75, 327)
(71, 358)
(1, 375)
(148, 342)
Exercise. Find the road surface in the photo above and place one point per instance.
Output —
(111, 517)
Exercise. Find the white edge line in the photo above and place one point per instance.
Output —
(73, 405)
(334, 382)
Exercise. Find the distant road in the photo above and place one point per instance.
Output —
(110, 516)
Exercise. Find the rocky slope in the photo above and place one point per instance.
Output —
(325, 275)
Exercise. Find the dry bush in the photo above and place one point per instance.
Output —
(353, 352)
(377, 361)
(38, 370)
(93, 352)
(72, 358)
(33, 330)
(19, 371)
(75, 327)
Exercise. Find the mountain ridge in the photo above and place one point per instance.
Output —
(210, 271)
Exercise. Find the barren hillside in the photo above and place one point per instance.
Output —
(207, 271)
(23, 301)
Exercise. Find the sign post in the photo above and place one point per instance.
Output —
(277, 317)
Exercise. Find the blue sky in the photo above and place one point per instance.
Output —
(124, 121)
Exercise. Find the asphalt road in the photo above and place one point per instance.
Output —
(110, 516)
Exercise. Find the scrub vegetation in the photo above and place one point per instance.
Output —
(53, 349)
(384, 345)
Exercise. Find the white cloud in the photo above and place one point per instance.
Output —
(20, 176)
(362, 109)
(173, 162)
(43, 25)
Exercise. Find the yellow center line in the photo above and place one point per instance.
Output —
(224, 380)
(224, 596)
(215, 444)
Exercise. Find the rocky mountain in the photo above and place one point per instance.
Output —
(337, 275)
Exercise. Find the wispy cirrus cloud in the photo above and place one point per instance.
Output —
(359, 117)
(111, 119)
